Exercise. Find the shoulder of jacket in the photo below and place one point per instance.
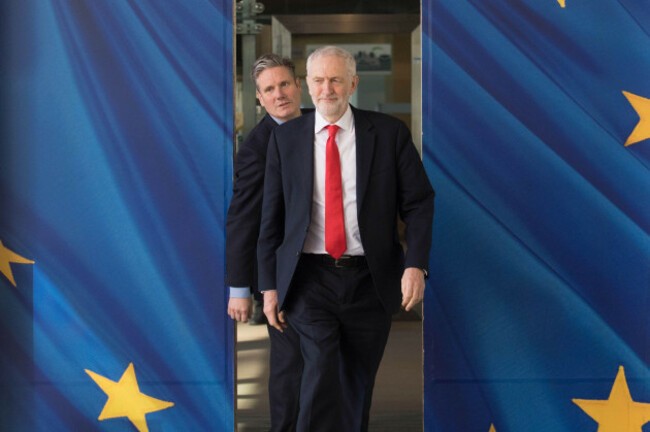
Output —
(293, 125)
(377, 117)
(260, 134)
(264, 127)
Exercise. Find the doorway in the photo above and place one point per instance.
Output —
(387, 47)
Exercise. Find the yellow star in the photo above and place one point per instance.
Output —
(561, 2)
(492, 428)
(619, 413)
(6, 257)
(642, 107)
(125, 399)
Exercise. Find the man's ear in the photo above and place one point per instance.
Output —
(355, 83)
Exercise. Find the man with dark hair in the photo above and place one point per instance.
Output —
(278, 91)
(329, 252)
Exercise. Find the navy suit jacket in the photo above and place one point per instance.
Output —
(244, 212)
(390, 180)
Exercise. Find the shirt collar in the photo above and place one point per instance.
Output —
(345, 122)
(278, 121)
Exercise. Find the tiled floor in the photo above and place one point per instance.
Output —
(397, 401)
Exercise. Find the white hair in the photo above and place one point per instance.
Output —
(332, 50)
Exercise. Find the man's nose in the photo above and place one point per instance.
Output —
(327, 87)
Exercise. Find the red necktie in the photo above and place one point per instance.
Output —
(334, 224)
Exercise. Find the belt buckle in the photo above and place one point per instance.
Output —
(341, 259)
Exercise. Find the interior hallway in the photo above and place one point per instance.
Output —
(397, 400)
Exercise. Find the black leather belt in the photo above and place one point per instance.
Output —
(346, 261)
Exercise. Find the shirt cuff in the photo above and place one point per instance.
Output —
(240, 292)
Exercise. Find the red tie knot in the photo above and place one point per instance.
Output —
(332, 129)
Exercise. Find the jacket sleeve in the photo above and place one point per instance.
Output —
(272, 225)
(243, 219)
(415, 201)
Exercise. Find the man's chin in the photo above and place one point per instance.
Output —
(328, 109)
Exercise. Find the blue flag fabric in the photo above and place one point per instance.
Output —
(115, 171)
(116, 126)
(540, 282)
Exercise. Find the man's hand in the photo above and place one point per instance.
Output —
(412, 287)
(276, 319)
(239, 309)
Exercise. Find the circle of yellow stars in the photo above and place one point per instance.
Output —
(619, 413)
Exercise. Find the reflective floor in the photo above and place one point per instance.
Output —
(397, 401)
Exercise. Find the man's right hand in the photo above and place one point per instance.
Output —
(275, 318)
(239, 309)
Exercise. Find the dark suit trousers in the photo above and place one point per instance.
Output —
(343, 329)
(285, 374)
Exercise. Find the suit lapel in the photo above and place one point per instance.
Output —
(366, 141)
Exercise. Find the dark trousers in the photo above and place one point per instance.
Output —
(285, 374)
(343, 329)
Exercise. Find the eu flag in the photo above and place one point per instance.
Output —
(537, 139)
(116, 130)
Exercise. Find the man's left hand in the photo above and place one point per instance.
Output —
(239, 309)
(412, 287)
(274, 317)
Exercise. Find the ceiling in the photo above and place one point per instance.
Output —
(300, 7)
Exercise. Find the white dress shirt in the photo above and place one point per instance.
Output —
(346, 142)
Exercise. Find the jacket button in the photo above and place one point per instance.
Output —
(297, 254)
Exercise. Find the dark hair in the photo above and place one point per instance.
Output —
(268, 61)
